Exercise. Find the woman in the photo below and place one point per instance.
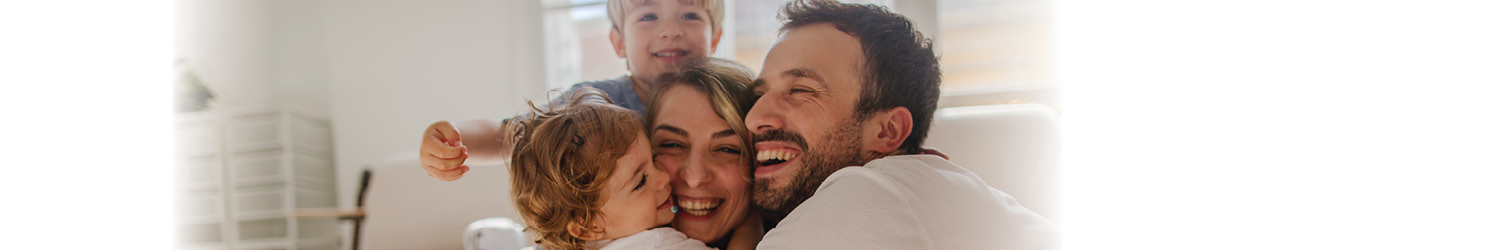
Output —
(698, 136)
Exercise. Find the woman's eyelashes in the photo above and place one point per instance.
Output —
(669, 145)
(730, 150)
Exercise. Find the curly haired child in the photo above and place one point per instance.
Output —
(582, 178)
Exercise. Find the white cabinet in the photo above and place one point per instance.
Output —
(241, 173)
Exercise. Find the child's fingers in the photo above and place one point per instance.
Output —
(436, 148)
(447, 175)
(443, 164)
(447, 133)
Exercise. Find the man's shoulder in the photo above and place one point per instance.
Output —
(913, 170)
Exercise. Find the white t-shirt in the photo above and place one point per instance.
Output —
(656, 238)
(910, 202)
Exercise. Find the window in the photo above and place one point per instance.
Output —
(577, 43)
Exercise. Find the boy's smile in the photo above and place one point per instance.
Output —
(671, 56)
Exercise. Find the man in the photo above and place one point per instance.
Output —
(847, 96)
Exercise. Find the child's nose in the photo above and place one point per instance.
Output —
(670, 30)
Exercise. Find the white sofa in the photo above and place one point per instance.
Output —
(406, 210)
(1013, 147)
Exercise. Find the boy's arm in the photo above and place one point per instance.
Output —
(448, 147)
(486, 141)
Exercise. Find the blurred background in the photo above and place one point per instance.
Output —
(284, 105)
(1279, 124)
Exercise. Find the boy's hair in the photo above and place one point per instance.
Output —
(899, 70)
(727, 85)
(562, 161)
(714, 9)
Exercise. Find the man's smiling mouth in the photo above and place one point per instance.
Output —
(775, 156)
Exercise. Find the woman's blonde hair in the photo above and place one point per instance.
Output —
(727, 85)
(562, 161)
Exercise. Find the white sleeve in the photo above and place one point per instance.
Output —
(674, 240)
(851, 210)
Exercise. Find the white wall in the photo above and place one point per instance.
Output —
(396, 66)
(255, 52)
(380, 70)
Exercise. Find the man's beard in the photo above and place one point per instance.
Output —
(839, 150)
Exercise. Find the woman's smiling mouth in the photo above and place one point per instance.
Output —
(697, 208)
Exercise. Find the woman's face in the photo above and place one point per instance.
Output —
(702, 155)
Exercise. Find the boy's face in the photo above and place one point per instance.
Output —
(637, 196)
(656, 36)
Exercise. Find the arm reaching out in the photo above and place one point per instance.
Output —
(448, 147)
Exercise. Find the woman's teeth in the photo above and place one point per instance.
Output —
(699, 208)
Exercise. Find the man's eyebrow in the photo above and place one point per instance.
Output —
(724, 133)
(803, 73)
(757, 83)
(670, 128)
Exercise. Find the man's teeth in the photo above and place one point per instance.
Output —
(699, 208)
(775, 154)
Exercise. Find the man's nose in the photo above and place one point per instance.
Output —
(764, 116)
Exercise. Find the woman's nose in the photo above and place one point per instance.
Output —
(694, 173)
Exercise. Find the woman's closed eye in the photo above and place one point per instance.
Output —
(729, 150)
(670, 145)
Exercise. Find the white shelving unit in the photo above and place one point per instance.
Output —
(241, 173)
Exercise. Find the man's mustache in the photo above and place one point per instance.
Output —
(781, 135)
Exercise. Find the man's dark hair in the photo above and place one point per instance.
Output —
(900, 69)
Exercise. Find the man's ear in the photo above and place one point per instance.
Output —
(713, 46)
(617, 39)
(886, 130)
(590, 233)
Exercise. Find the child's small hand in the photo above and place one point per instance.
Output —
(443, 152)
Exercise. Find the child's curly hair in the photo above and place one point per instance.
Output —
(563, 159)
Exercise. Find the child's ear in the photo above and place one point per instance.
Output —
(591, 233)
(713, 46)
(617, 39)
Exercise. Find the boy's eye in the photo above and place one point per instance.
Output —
(648, 17)
(641, 183)
(691, 16)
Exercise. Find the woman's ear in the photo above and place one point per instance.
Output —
(617, 39)
(590, 233)
(886, 130)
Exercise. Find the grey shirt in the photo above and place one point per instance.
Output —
(619, 89)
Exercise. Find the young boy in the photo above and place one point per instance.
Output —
(654, 37)
(583, 178)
